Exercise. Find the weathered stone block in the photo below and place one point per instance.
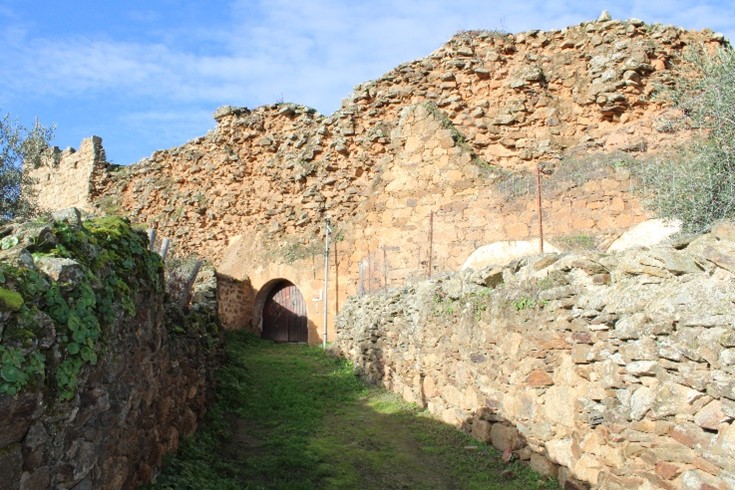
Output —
(481, 430)
(641, 402)
(710, 416)
(505, 437)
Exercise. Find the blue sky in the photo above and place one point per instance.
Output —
(147, 75)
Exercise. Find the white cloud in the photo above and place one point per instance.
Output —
(302, 50)
(312, 53)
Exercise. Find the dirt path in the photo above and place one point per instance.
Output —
(289, 417)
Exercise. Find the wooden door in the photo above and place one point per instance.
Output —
(284, 315)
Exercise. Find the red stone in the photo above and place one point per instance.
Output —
(538, 378)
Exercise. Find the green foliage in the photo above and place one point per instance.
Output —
(19, 146)
(115, 263)
(18, 369)
(444, 306)
(109, 204)
(696, 182)
(291, 416)
(479, 302)
(524, 303)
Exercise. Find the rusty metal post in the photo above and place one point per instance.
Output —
(326, 281)
(540, 217)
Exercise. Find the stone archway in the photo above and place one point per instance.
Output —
(282, 312)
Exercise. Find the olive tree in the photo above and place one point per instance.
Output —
(19, 146)
(696, 182)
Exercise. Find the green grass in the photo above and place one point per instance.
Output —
(292, 417)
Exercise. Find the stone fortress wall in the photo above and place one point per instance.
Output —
(412, 169)
(69, 178)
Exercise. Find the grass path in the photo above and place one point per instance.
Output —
(291, 417)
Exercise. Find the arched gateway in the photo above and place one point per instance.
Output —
(284, 314)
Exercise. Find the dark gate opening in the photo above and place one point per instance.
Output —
(284, 314)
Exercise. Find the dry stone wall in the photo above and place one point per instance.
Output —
(102, 396)
(611, 371)
(415, 163)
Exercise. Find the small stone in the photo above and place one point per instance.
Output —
(667, 471)
(724, 230)
(582, 337)
(728, 339)
(691, 435)
(557, 293)
(675, 399)
(39, 478)
(641, 401)
(491, 277)
(545, 261)
(601, 279)
(72, 216)
(11, 466)
(61, 269)
(726, 440)
(642, 368)
(505, 437)
(698, 480)
(481, 430)
(604, 16)
(631, 327)
(581, 353)
(710, 416)
(539, 378)
(228, 110)
(542, 465)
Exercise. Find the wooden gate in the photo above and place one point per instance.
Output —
(284, 314)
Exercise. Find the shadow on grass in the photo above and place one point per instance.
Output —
(292, 417)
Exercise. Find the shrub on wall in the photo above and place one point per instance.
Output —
(696, 183)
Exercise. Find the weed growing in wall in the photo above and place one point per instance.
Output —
(479, 302)
(528, 295)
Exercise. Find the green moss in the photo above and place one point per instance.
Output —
(10, 300)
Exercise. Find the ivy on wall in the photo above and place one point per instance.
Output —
(52, 329)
